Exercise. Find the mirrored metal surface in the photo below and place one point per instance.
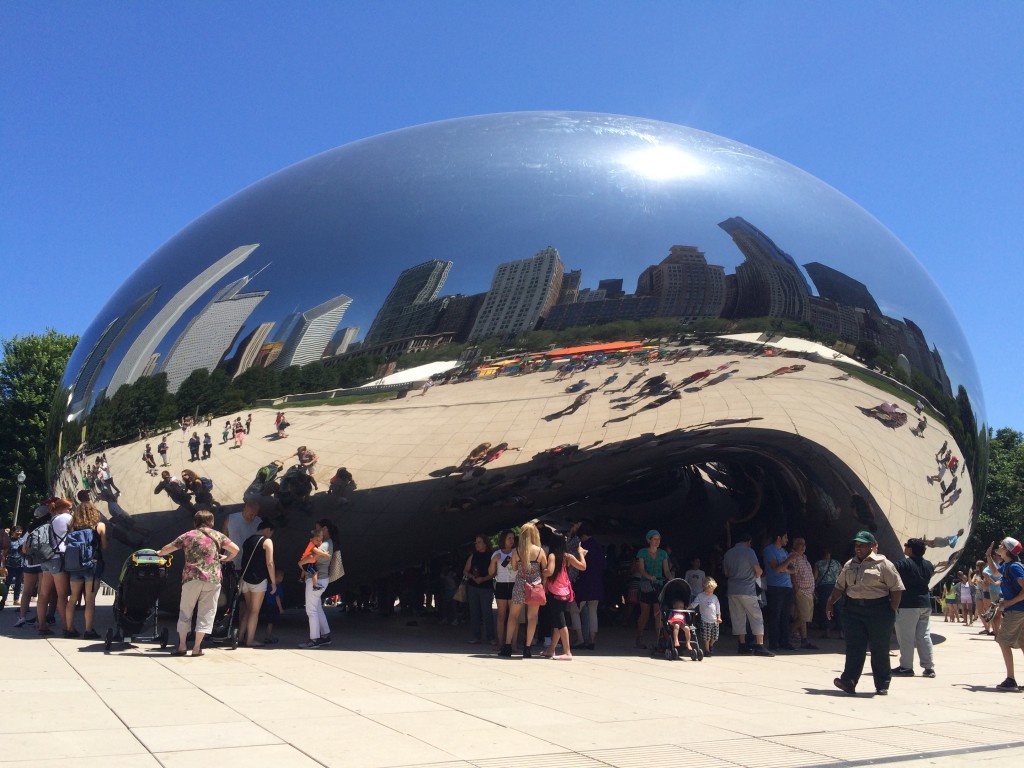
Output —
(811, 369)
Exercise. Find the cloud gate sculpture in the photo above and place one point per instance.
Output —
(622, 320)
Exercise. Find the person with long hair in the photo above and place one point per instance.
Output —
(504, 581)
(319, 629)
(560, 594)
(86, 517)
(1010, 634)
(200, 579)
(528, 561)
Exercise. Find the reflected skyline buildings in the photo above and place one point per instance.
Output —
(521, 295)
(210, 333)
(410, 307)
(85, 384)
(137, 357)
(309, 332)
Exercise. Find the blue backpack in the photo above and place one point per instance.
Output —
(207, 483)
(80, 554)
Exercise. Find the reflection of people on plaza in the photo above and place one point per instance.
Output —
(580, 400)
(656, 403)
(194, 485)
(281, 424)
(779, 372)
(943, 541)
(207, 445)
(162, 450)
(149, 461)
(871, 589)
(720, 378)
(200, 579)
(633, 380)
(307, 458)
(1011, 606)
(175, 488)
(693, 378)
(193, 446)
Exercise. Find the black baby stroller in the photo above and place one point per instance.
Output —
(677, 592)
(137, 599)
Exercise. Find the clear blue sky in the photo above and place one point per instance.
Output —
(121, 123)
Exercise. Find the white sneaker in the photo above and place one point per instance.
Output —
(21, 621)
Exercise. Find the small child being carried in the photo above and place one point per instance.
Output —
(710, 614)
(307, 563)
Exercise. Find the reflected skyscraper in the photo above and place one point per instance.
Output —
(210, 333)
(138, 355)
(311, 331)
(84, 386)
(768, 282)
(408, 310)
(249, 348)
(522, 292)
(841, 288)
(685, 285)
(341, 341)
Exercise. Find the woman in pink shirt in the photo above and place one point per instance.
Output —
(560, 594)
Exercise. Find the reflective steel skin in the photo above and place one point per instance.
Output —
(475, 233)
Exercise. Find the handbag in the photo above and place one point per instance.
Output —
(460, 593)
(336, 569)
(534, 592)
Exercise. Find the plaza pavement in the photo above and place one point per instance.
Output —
(390, 692)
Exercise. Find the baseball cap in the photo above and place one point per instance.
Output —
(865, 537)
(40, 512)
(1011, 545)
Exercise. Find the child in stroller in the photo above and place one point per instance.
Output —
(678, 619)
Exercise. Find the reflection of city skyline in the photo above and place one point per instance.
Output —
(537, 292)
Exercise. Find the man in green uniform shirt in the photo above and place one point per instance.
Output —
(871, 588)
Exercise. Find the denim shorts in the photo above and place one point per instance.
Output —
(52, 567)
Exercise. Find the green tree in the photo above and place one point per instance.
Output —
(1002, 507)
(30, 375)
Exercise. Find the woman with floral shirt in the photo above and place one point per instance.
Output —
(200, 579)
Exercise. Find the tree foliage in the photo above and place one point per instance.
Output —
(30, 375)
(1002, 507)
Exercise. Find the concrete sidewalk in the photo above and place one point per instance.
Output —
(392, 693)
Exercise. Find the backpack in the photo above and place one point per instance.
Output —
(207, 483)
(80, 554)
(40, 546)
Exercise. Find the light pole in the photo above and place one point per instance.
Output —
(17, 499)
